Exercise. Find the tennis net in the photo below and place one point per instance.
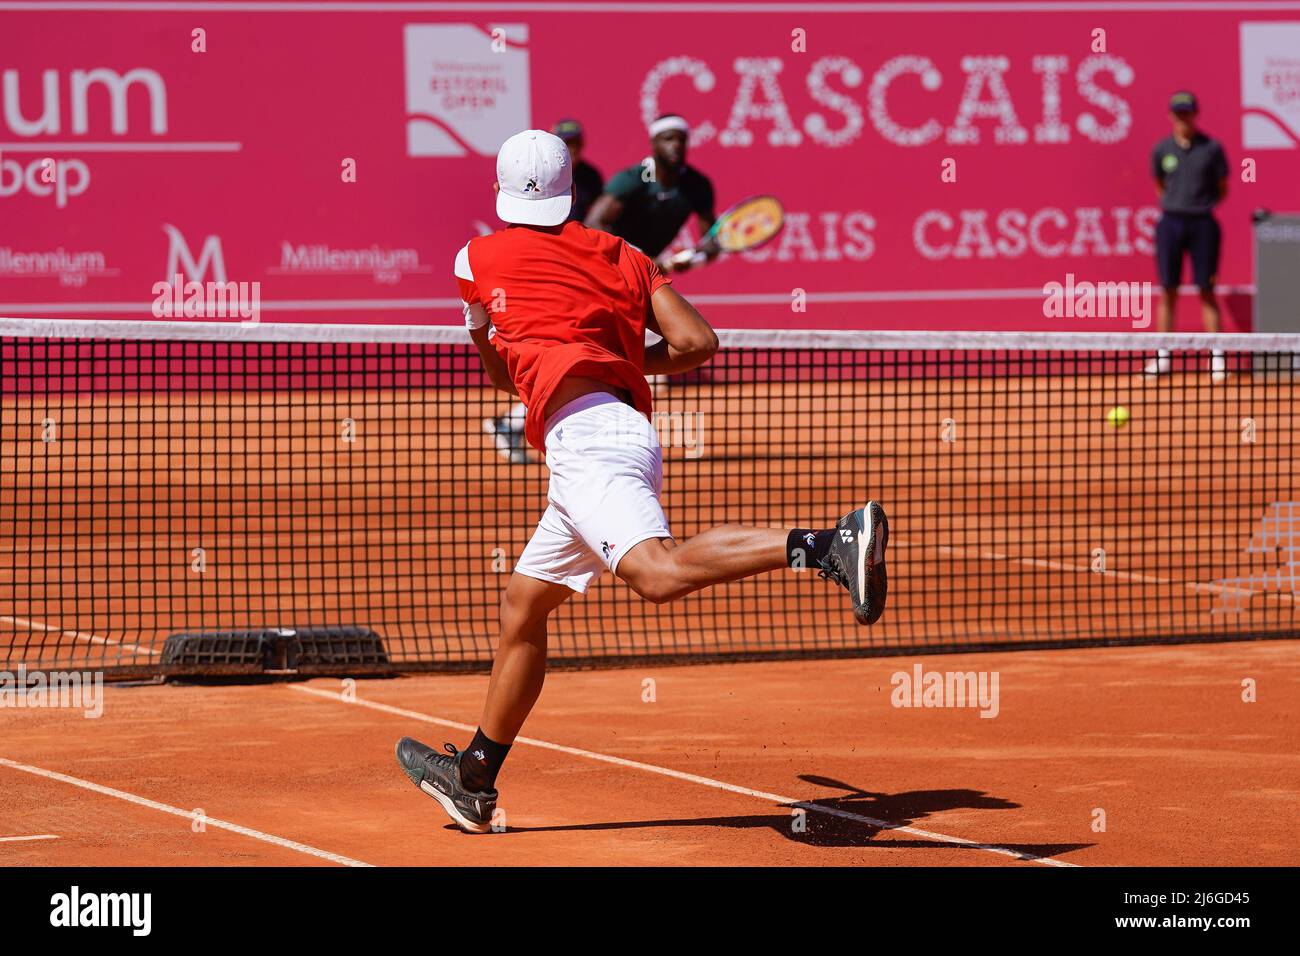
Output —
(158, 478)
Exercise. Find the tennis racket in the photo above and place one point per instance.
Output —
(747, 225)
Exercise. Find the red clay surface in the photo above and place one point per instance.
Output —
(1159, 739)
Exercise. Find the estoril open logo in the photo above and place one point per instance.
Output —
(1270, 85)
(466, 87)
(77, 908)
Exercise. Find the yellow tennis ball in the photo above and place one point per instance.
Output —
(1117, 416)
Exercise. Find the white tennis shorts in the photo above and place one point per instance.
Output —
(607, 472)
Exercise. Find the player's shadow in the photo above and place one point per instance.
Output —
(854, 819)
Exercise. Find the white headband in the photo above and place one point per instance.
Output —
(665, 123)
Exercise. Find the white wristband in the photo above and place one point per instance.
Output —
(475, 318)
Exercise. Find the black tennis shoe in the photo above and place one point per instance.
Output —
(856, 560)
(438, 775)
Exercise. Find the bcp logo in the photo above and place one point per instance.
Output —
(66, 107)
(44, 178)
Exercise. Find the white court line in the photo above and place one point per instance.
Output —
(694, 778)
(1220, 589)
(186, 814)
(23, 839)
(77, 635)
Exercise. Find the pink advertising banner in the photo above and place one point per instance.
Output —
(940, 163)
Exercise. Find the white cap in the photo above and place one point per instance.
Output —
(535, 179)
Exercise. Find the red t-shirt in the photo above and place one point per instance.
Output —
(565, 301)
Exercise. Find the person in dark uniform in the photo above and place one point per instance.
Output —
(1191, 173)
(587, 181)
(647, 204)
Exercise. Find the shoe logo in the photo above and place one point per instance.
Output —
(480, 756)
(606, 549)
(846, 534)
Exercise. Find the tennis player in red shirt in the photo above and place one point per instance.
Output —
(570, 306)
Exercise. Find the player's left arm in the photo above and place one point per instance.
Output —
(1221, 169)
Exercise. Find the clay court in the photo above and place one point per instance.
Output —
(1003, 481)
(712, 772)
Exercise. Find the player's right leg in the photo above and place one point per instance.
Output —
(555, 564)
(519, 667)
(464, 781)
